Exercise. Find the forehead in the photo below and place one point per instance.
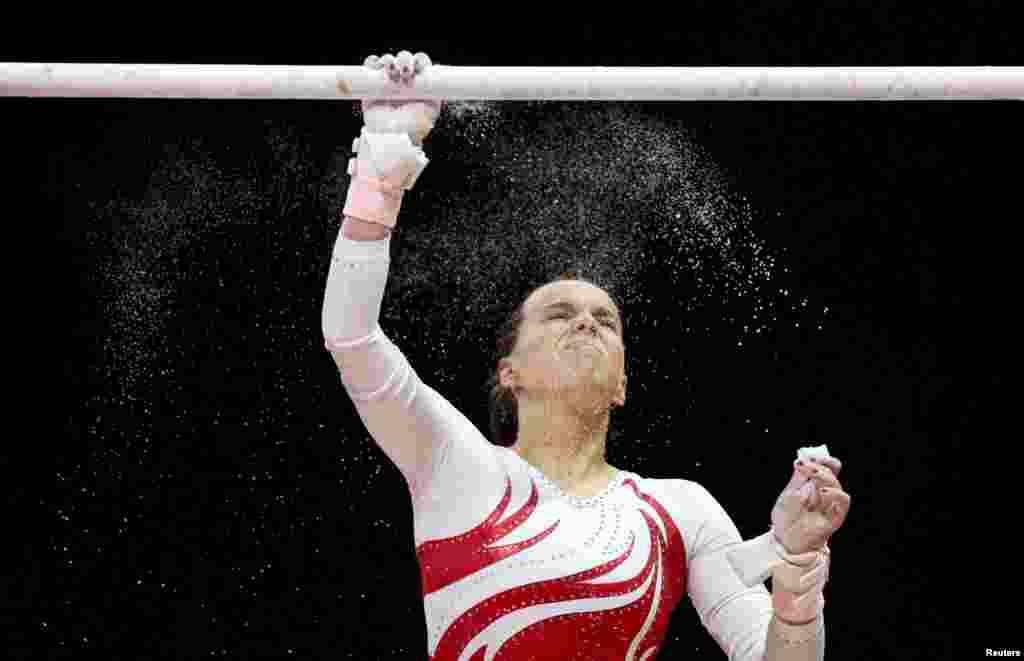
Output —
(576, 292)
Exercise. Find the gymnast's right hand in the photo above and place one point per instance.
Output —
(414, 118)
(389, 150)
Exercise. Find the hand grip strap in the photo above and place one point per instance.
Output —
(387, 165)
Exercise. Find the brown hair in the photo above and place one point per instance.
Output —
(503, 405)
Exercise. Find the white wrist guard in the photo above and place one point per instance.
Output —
(388, 156)
(387, 165)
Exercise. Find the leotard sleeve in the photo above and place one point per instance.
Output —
(736, 616)
(410, 421)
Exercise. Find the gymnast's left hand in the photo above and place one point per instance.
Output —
(811, 507)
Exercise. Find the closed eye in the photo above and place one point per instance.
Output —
(565, 315)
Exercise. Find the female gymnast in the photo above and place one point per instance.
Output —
(534, 547)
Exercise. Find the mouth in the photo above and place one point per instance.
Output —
(581, 340)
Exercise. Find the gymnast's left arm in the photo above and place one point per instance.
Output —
(748, 622)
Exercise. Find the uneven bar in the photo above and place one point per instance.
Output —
(214, 81)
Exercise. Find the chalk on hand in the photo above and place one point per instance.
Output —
(819, 452)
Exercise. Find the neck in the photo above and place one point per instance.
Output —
(567, 447)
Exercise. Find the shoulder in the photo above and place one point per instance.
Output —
(686, 500)
(677, 490)
(685, 497)
(698, 505)
(699, 517)
(692, 493)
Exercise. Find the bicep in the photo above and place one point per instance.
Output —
(407, 419)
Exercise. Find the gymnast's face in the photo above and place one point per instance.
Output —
(570, 342)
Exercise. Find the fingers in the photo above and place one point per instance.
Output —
(822, 475)
(400, 68)
(404, 64)
(808, 495)
(836, 504)
(833, 464)
(422, 62)
(822, 492)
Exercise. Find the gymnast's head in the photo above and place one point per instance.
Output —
(562, 346)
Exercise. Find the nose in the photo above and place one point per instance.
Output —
(582, 324)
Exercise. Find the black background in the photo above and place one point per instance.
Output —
(215, 495)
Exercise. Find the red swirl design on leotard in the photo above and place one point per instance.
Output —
(445, 561)
(593, 635)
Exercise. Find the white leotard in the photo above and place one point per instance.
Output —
(511, 567)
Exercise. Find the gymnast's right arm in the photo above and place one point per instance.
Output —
(409, 420)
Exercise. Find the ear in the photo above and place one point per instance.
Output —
(507, 376)
(620, 397)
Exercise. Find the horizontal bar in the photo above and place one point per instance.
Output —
(215, 81)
